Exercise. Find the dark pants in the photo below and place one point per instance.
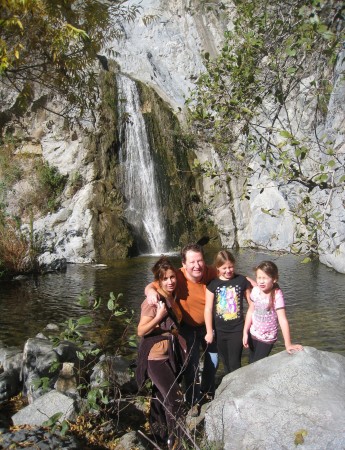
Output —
(230, 346)
(195, 339)
(258, 349)
(166, 403)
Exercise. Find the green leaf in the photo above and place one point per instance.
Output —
(286, 134)
(318, 215)
(86, 320)
(291, 52)
(266, 211)
(80, 356)
(111, 304)
(306, 260)
(291, 70)
(64, 427)
(52, 420)
(323, 178)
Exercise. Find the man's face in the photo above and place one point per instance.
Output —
(194, 265)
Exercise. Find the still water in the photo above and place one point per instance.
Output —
(314, 296)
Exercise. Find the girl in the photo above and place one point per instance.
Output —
(160, 356)
(224, 308)
(265, 311)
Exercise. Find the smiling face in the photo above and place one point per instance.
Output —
(226, 271)
(194, 265)
(265, 282)
(168, 282)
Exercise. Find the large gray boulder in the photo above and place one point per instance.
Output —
(10, 384)
(44, 408)
(281, 402)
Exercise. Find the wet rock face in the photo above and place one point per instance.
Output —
(280, 402)
(165, 57)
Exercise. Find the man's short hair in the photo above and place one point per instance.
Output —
(193, 248)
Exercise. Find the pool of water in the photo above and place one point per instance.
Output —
(314, 297)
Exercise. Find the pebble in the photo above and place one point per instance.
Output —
(38, 438)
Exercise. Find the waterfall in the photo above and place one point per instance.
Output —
(143, 211)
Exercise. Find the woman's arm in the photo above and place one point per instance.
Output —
(248, 323)
(208, 315)
(148, 324)
(284, 325)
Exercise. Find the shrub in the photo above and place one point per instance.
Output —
(50, 186)
(18, 254)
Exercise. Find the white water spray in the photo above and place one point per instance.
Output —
(143, 209)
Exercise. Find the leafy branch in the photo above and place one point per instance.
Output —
(260, 102)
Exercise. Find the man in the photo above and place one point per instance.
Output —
(192, 279)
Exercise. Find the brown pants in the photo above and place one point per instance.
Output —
(166, 403)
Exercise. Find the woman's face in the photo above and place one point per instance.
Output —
(168, 282)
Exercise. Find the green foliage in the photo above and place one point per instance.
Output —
(42, 383)
(10, 170)
(245, 102)
(56, 44)
(75, 182)
(75, 331)
(50, 187)
(102, 401)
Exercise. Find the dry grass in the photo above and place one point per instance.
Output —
(16, 253)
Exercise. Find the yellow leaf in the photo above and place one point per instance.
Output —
(299, 436)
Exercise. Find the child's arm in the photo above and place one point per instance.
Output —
(208, 315)
(248, 323)
(251, 281)
(284, 325)
(247, 295)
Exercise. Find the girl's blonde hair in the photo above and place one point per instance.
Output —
(222, 257)
(270, 270)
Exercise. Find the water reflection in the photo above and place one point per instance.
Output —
(314, 296)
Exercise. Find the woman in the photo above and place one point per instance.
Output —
(161, 356)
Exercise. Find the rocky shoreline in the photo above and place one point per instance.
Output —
(279, 402)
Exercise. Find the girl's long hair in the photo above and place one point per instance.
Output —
(270, 270)
(222, 257)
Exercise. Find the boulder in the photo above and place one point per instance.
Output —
(10, 384)
(117, 370)
(38, 360)
(282, 401)
(10, 358)
(44, 408)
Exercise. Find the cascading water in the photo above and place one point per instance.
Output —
(143, 210)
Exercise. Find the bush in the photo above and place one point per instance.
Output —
(50, 186)
(18, 254)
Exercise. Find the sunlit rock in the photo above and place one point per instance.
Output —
(280, 402)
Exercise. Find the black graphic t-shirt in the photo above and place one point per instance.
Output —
(228, 302)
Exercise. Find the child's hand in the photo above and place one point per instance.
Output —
(245, 340)
(209, 338)
(294, 348)
(161, 310)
